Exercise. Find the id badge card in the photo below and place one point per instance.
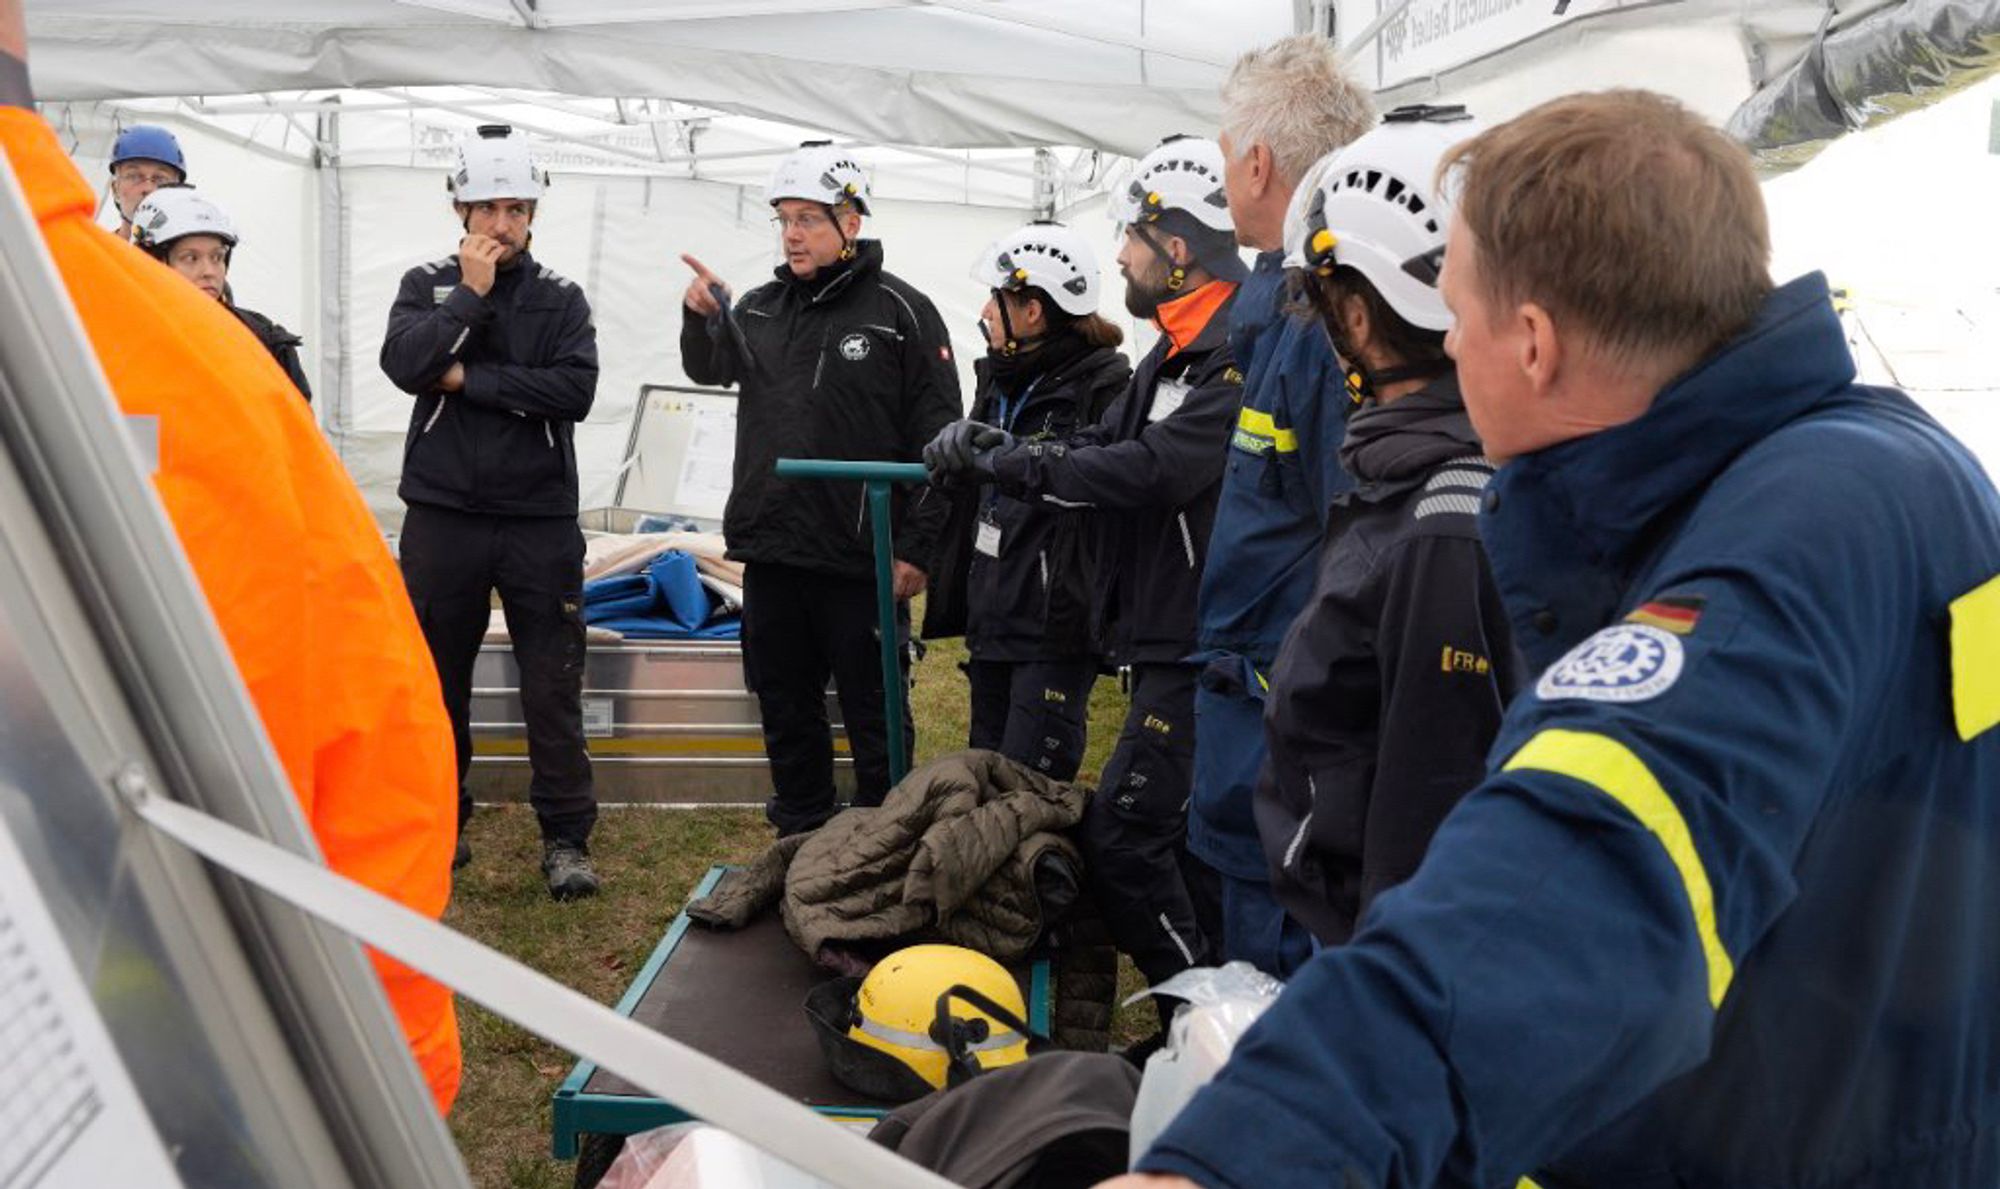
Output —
(986, 538)
(1168, 396)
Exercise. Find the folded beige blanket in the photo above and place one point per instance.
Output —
(606, 555)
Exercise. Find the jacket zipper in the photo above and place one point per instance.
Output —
(549, 432)
(861, 513)
(1187, 538)
(435, 414)
(1044, 555)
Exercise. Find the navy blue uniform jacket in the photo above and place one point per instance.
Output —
(1726, 912)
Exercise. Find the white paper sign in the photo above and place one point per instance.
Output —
(72, 1115)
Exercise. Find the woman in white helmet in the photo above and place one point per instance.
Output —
(196, 238)
(1015, 576)
(1389, 686)
(1152, 469)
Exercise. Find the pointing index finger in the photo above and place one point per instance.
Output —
(700, 269)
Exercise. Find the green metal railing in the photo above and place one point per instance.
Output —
(878, 478)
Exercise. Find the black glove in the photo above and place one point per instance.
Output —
(960, 447)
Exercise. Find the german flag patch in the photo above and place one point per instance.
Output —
(1670, 613)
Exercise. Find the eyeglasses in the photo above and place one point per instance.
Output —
(141, 175)
(804, 221)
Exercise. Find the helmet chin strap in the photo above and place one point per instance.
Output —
(1011, 344)
(846, 245)
(1176, 275)
(1363, 383)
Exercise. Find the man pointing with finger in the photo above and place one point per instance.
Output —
(502, 357)
(835, 358)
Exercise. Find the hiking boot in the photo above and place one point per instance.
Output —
(568, 871)
(461, 856)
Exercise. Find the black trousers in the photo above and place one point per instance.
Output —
(1161, 905)
(1034, 712)
(800, 629)
(452, 562)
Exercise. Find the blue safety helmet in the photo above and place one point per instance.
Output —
(148, 142)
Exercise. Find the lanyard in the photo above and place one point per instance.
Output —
(1009, 410)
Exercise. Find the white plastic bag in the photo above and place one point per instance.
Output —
(1221, 1004)
(697, 1156)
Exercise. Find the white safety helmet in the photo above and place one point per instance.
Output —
(1045, 256)
(1295, 211)
(171, 212)
(496, 163)
(818, 172)
(1184, 173)
(1377, 208)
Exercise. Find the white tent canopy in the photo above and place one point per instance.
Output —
(1112, 74)
(325, 127)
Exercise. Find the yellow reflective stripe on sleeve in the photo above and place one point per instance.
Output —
(1526, 1183)
(1975, 659)
(1259, 424)
(1609, 766)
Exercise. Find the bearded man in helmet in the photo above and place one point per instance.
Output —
(1152, 467)
(834, 358)
(501, 356)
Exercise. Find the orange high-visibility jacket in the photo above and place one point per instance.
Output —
(294, 569)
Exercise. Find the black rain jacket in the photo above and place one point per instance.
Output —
(1390, 684)
(505, 445)
(281, 343)
(1152, 467)
(851, 364)
(1033, 601)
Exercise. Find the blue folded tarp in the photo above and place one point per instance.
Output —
(666, 601)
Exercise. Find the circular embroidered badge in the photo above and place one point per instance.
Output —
(1627, 662)
(854, 347)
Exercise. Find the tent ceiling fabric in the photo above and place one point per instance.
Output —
(1111, 74)
(942, 73)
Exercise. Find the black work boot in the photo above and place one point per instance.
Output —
(461, 856)
(567, 868)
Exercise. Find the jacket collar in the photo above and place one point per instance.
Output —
(1189, 321)
(834, 279)
(1568, 527)
(523, 267)
(1399, 444)
(1258, 303)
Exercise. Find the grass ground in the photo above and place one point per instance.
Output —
(649, 858)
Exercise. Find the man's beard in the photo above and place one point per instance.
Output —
(1145, 296)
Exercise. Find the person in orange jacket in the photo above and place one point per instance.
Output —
(299, 580)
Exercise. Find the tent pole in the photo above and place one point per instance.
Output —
(335, 403)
